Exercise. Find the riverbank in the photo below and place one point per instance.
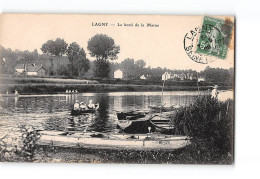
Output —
(57, 85)
(97, 88)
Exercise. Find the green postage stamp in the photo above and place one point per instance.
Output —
(215, 37)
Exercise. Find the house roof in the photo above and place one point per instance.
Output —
(19, 66)
(32, 68)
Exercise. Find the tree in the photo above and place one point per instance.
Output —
(79, 64)
(103, 48)
(128, 67)
(55, 48)
(140, 63)
(139, 68)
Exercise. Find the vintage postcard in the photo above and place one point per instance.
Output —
(117, 88)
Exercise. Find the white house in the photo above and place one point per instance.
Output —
(143, 77)
(201, 79)
(118, 74)
(19, 69)
(166, 76)
(34, 70)
(30, 69)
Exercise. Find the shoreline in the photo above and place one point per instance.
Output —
(25, 89)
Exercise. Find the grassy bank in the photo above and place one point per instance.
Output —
(187, 155)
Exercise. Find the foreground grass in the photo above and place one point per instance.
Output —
(188, 155)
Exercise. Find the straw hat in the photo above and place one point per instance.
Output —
(77, 101)
(216, 86)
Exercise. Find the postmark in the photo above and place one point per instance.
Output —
(215, 37)
(190, 46)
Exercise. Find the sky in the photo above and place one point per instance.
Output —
(158, 46)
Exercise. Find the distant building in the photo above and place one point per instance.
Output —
(30, 70)
(19, 69)
(175, 77)
(143, 77)
(35, 70)
(182, 77)
(166, 76)
(201, 79)
(118, 74)
(191, 77)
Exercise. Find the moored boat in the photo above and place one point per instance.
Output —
(158, 109)
(9, 95)
(130, 115)
(112, 141)
(141, 125)
(162, 124)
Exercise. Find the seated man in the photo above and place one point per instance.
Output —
(76, 105)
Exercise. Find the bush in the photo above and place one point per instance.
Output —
(24, 152)
(209, 123)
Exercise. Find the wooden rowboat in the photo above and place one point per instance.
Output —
(159, 109)
(9, 95)
(86, 111)
(112, 141)
(162, 124)
(130, 115)
(136, 126)
(79, 112)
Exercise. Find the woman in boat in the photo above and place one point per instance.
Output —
(82, 106)
(76, 105)
(91, 105)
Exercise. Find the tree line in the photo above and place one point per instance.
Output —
(62, 59)
(70, 60)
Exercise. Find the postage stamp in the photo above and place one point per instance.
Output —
(215, 37)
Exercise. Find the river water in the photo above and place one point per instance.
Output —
(52, 112)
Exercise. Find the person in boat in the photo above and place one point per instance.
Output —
(215, 92)
(7, 92)
(67, 91)
(82, 106)
(76, 105)
(91, 105)
(76, 91)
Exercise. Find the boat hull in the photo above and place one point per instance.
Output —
(78, 112)
(9, 95)
(136, 126)
(130, 115)
(112, 141)
(162, 124)
(158, 109)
